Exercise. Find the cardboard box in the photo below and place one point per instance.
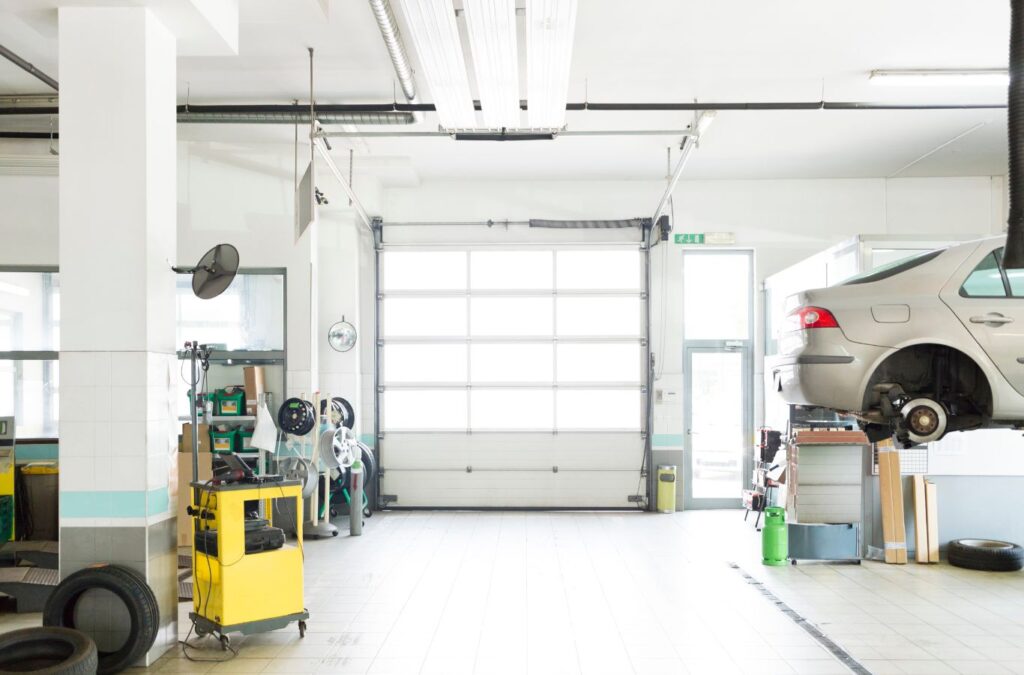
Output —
(186, 438)
(185, 491)
(255, 384)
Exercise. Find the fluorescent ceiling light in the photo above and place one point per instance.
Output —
(492, 40)
(436, 38)
(550, 28)
(991, 77)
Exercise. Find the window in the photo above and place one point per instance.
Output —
(249, 315)
(707, 278)
(29, 344)
(986, 281)
(512, 340)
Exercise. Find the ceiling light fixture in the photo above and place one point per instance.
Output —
(980, 77)
(550, 29)
(492, 41)
(436, 38)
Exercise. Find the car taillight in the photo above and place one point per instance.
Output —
(811, 317)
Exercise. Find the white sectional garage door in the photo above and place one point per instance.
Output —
(512, 376)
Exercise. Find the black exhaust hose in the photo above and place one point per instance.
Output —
(1013, 256)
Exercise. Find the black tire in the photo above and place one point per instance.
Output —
(369, 463)
(131, 588)
(49, 650)
(343, 409)
(986, 555)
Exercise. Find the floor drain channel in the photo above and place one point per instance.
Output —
(809, 628)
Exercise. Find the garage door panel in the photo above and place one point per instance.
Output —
(615, 451)
(513, 362)
(584, 489)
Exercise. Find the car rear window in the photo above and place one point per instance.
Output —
(893, 268)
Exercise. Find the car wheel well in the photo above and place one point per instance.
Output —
(941, 372)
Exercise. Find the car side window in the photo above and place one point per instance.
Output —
(1016, 280)
(986, 281)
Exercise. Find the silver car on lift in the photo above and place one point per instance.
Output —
(918, 348)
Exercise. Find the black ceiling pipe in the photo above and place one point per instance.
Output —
(327, 108)
(1013, 254)
(30, 135)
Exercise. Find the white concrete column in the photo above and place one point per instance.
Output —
(118, 435)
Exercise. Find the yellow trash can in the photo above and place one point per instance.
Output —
(666, 488)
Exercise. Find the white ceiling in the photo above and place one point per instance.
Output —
(654, 50)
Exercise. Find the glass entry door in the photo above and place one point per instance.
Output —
(717, 419)
(718, 377)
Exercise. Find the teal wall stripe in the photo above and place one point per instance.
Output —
(667, 440)
(35, 452)
(158, 501)
(368, 439)
(119, 504)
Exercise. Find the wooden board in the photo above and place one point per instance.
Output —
(920, 521)
(932, 509)
(891, 488)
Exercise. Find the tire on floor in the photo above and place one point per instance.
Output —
(986, 554)
(131, 588)
(49, 650)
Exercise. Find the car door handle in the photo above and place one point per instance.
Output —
(995, 319)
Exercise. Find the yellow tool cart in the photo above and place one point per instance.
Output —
(246, 577)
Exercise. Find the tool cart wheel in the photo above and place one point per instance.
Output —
(302, 629)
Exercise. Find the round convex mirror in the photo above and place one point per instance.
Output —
(342, 336)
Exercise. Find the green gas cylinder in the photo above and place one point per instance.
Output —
(774, 537)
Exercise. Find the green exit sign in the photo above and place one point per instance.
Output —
(709, 238)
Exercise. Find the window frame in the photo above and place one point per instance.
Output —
(47, 356)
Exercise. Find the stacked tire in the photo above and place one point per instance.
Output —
(49, 650)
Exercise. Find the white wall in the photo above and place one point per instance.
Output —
(28, 211)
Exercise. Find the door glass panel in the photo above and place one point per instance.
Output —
(986, 281)
(716, 424)
(423, 271)
(514, 363)
(505, 409)
(584, 362)
(598, 409)
(599, 316)
(519, 317)
(416, 364)
(511, 270)
(425, 409)
(598, 270)
(424, 317)
(716, 292)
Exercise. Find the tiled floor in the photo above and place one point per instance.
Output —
(614, 593)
